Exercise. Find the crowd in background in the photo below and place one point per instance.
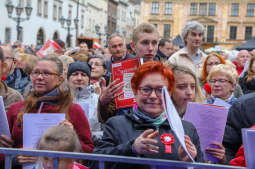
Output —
(77, 81)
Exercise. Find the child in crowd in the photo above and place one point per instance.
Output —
(59, 138)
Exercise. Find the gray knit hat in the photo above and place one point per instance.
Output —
(78, 66)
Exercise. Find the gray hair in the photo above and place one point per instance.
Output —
(192, 25)
(99, 56)
(113, 36)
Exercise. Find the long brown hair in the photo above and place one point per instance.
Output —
(250, 72)
(64, 98)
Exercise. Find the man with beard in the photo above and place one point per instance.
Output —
(191, 56)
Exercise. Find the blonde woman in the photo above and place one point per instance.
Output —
(186, 88)
(223, 80)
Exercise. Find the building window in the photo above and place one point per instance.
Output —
(210, 33)
(167, 28)
(212, 9)
(235, 9)
(168, 8)
(45, 9)
(193, 9)
(154, 7)
(40, 37)
(202, 9)
(54, 12)
(248, 32)
(250, 10)
(59, 13)
(7, 35)
(39, 7)
(232, 32)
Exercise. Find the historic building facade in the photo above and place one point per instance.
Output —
(228, 23)
(97, 19)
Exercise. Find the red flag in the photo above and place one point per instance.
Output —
(49, 47)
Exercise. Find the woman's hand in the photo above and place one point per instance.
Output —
(218, 153)
(6, 141)
(145, 144)
(26, 159)
(190, 147)
(66, 123)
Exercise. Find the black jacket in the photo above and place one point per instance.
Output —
(241, 115)
(121, 131)
(247, 87)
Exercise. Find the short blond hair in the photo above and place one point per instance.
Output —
(143, 28)
(224, 69)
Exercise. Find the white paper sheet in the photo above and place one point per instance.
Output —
(174, 119)
(34, 125)
(4, 126)
(248, 136)
(244, 69)
(220, 102)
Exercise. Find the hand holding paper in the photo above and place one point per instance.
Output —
(5, 141)
(217, 151)
(174, 120)
(190, 147)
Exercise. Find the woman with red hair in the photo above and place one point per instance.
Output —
(211, 60)
(144, 131)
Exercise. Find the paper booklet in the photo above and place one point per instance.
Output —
(210, 122)
(123, 71)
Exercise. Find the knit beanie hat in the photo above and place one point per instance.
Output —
(78, 66)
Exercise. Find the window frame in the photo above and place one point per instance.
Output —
(234, 10)
(167, 31)
(250, 12)
(212, 9)
(231, 37)
(193, 9)
(168, 8)
(246, 37)
(155, 8)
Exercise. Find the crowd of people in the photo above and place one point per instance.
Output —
(78, 82)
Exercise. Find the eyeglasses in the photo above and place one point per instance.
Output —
(212, 81)
(146, 91)
(213, 63)
(97, 64)
(44, 74)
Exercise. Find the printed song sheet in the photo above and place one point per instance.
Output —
(210, 122)
(248, 136)
(123, 71)
(34, 125)
(4, 126)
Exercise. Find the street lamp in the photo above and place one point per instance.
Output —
(19, 9)
(68, 22)
(97, 28)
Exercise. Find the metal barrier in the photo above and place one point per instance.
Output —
(12, 152)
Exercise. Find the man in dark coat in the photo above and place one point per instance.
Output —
(241, 115)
